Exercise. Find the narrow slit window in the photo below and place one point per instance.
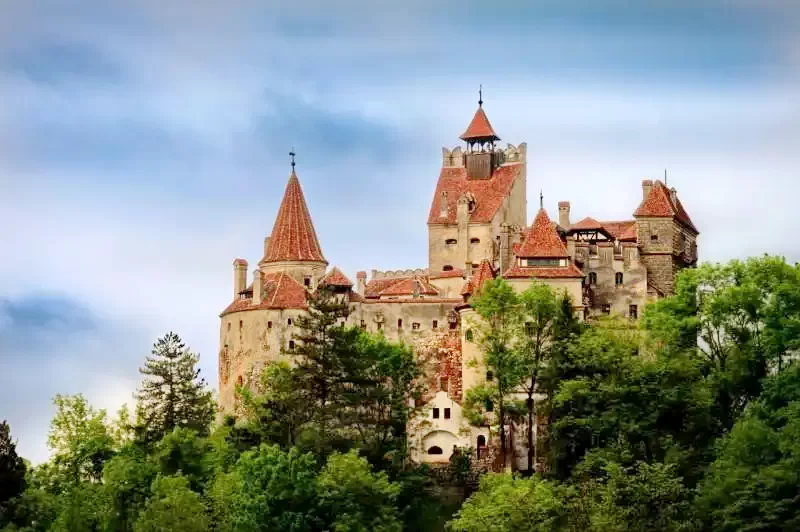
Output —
(618, 279)
(447, 413)
(399, 323)
(435, 324)
(435, 413)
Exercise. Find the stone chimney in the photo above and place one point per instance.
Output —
(256, 287)
(361, 283)
(673, 195)
(266, 244)
(563, 214)
(239, 277)
(647, 186)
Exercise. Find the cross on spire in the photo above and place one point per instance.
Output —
(541, 199)
(480, 95)
(292, 154)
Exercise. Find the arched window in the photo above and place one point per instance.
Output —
(489, 376)
(618, 278)
(447, 268)
(468, 335)
(592, 278)
(435, 450)
(481, 444)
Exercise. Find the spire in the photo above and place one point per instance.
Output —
(479, 130)
(542, 240)
(541, 199)
(293, 237)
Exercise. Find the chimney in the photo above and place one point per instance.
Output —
(647, 186)
(361, 283)
(256, 287)
(239, 277)
(673, 195)
(266, 244)
(563, 214)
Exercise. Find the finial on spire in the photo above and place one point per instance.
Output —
(665, 176)
(292, 154)
(480, 95)
(541, 199)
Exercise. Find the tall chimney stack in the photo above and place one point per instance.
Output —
(361, 283)
(647, 186)
(239, 276)
(563, 214)
(256, 287)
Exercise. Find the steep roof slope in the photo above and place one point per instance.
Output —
(293, 237)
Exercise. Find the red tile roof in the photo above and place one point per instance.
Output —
(542, 240)
(479, 128)
(488, 193)
(568, 272)
(375, 286)
(293, 237)
(485, 272)
(629, 235)
(659, 204)
(618, 228)
(455, 272)
(278, 291)
(410, 286)
(335, 277)
(587, 224)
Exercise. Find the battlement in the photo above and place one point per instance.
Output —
(399, 274)
(456, 157)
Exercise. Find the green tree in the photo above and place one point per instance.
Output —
(79, 438)
(498, 308)
(172, 394)
(174, 507)
(268, 489)
(505, 503)
(12, 470)
(82, 507)
(127, 479)
(352, 498)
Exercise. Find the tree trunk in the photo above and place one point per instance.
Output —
(531, 450)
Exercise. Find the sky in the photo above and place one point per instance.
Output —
(144, 146)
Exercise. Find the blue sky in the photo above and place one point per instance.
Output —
(142, 148)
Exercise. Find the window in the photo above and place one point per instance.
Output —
(474, 241)
(489, 376)
(415, 326)
(618, 279)
(229, 326)
(241, 323)
(543, 262)
(450, 242)
(435, 324)
(481, 444)
(435, 413)
(239, 381)
(468, 335)
(633, 312)
(363, 324)
(289, 322)
(399, 323)
(435, 450)
(291, 344)
(654, 237)
(269, 325)
(447, 413)
(380, 325)
(447, 268)
(489, 405)
(606, 309)
(592, 278)
(453, 325)
(307, 282)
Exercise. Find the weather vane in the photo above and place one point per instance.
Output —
(292, 154)
(541, 199)
(480, 95)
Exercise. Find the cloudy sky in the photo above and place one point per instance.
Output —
(142, 148)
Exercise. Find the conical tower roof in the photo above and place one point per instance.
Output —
(480, 129)
(293, 236)
(542, 240)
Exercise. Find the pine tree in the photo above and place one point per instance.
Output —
(12, 469)
(172, 394)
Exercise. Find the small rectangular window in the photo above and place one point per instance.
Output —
(435, 324)
(241, 323)
(633, 312)
(399, 323)
(307, 281)
(289, 322)
(654, 237)
(453, 325)
(291, 344)
(269, 325)
(606, 309)
(447, 413)
(435, 413)
(363, 324)
(229, 325)
(380, 325)
(415, 326)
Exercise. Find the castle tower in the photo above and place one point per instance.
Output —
(293, 247)
(667, 238)
(479, 201)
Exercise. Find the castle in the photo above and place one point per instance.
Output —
(477, 230)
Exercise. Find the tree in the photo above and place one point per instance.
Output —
(498, 308)
(268, 489)
(12, 470)
(80, 439)
(173, 506)
(82, 507)
(127, 479)
(505, 503)
(172, 394)
(354, 499)
(539, 307)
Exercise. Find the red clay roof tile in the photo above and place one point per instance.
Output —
(542, 240)
(335, 277)
(293, 237)
(455, 272)
(517, 272)
(488, 193)
(278, 291)
(587, 224)
(659, 204)
(410, 286)
(479, 128)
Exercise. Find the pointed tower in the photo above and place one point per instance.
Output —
(481, 158)
(293, 246)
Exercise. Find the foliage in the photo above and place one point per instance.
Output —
(127, 479)
(172, 394)
(12, 470)
(173, 506)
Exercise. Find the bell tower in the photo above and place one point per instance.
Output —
(481, 159)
